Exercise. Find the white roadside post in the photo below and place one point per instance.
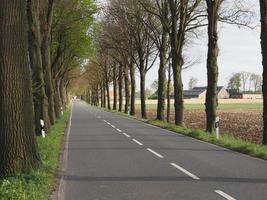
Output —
(217, 125)
(61, 109)
(42, 128)
(129, 110)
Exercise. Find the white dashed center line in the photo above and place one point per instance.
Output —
(226, 196)
(136, 141)
(155, 153)
(126, 135)
(113, 126)
(185, 171)
(119, 130)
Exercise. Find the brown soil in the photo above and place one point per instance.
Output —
(245, 124)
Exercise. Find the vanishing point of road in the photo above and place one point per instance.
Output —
(112, 157)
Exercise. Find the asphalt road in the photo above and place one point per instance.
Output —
(111, 157)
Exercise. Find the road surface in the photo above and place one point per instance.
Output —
(111, 157)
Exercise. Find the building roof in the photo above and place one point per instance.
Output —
(196, 91)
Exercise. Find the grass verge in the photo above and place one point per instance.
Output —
(38, 184)
(226, 140)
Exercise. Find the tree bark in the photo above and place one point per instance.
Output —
(114, 87)
(177, 37)
(168, 94)
(39, 97)
(212, 64)
(133, 85)
(18, 148)
(57, 97)
(104, 94)
(46, 13)
(120, 87)
(263, 11)
(143, 93)
(162, 78)
(107, 87)
(126, 89)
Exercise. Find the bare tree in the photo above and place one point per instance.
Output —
(263, 10)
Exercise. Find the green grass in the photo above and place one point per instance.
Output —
(39, 183)
(222, 106)
(226, 140)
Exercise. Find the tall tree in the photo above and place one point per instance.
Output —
(159, 26)
(18, 148)
(212, 63)
(263, 11)
(46, 14)
(39, 96)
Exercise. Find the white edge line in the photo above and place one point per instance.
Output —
(119, 130)
(126, 135)
(155, 153)
(226, 196)
(62, 185)
(112, 126)
(185, 171)
(136, 141)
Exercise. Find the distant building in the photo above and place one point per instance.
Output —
(235, 94)
(200, 93)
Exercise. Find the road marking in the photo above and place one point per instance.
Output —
(126, 135)
(119, 130)
(62, 183)
(226, 196)
(184, 171)
(136, 141)
(105, 120)
(155, 153)
(113, 126)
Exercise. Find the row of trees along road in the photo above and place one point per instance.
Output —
(136, 33)
(42, 45)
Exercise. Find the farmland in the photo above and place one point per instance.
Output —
(241, 118)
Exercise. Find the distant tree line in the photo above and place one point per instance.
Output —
(245, 81)
(42, 46)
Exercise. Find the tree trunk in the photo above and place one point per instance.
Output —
(162, 78)
(107, 90)
(143, 93)
(133, 85)
(168, 94)
(126, 89)
(177, 36)
(101, 95)
(212, 64)
(104, 94)
(263, 10)
(18, 148)
(57, 98)
(120, 87)
(115, 87)
(39, 97)
(46, 13)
